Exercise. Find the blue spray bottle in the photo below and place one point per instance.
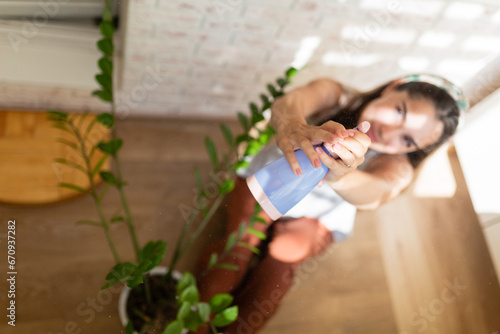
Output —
(277, 189)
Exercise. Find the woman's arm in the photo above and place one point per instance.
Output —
(288, 118)
(302, 102)
(385, 177)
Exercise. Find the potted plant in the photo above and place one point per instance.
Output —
(164, 300)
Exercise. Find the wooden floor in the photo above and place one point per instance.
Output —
(415, 265)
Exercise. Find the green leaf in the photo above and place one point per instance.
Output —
(242, 138)
(107, 29)
(199, 181)
(106, 46)
(272, 90)
(111, 147)
(242, 230)
(106, 66)
(83, 117)
(109, 177)
(257, 233)
(254, 250)
(266, 103)
(257, 209)
(58, 114)
(241, 164)
(62, 126)
(129, 329)
(135, 279)
(212, 153)
(90, 126)
(105, 81)
(104, 95)
(107, 15)
(184, 310)
(226, 187)
(186, 280)
(253, 108)
(106, 119)
(190, 294)
(252, 148)
(117, 219)
(264, 138)
(228, 266)
(226, 317)
(213, 260)
(73, 187)
(220, 301)
(264, 99)
(120, 272)
(154, 251)
(244, 121)
(291, 72)
(193, 321)
(203, 311)
(71, 164)
(227, 134)
(88, 222)
(98, 165)
(257, 117)
(68, 143)
(281, 82)
(175, 327)
(231, 241)
(260, 220)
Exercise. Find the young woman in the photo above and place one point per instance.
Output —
(400, 124)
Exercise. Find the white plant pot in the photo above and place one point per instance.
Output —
(122, 301)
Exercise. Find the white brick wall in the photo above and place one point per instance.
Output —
(209, 58)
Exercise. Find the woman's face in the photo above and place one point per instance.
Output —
(400, 124)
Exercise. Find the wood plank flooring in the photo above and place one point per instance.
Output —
(415, 265)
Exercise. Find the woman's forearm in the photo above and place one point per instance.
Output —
(383, 179)
(363, 190)
(295, 106)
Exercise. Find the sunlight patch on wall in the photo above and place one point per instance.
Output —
(416, 64)
(496, 17)
(375, 4)
(482, 43)
(422, 8)
(436, 178)
(307, 47)
(363, 35)
(436, 39)
(462, 66)
(357, 60)
(464, 11)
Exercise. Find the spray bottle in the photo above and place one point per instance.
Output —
(277, 189)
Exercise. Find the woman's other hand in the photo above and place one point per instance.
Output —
(350, 151)
(297, 135)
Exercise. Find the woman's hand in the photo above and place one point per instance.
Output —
(298, 135)
(351, 153)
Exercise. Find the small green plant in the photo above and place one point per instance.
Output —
(190, 311)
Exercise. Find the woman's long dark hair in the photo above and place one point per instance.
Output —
(447, 111)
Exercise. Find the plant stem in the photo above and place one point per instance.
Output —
(215, 205)
(147, 289)
(93, 191)
(123, 197)
(180, 240)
